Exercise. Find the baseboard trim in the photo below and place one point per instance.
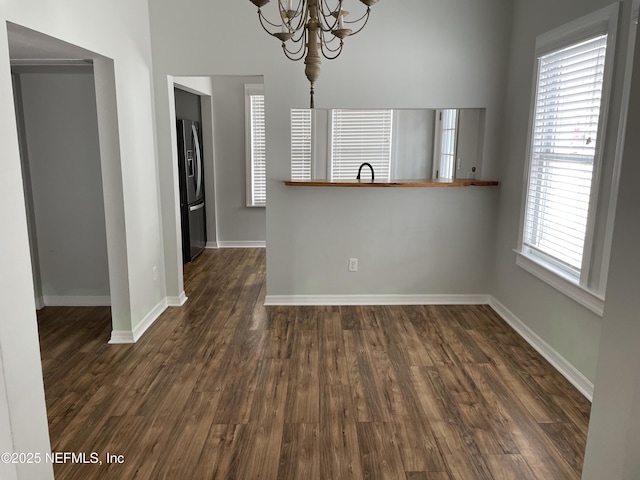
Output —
(250, 244)
(39, 303)
(119, 337)
(132, 336)
(317, 300)
(561, 364)
(178, 301)
(211, 245)
(75, 301)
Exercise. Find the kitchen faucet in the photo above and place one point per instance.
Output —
(360, 170)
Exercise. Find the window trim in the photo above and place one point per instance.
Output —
(250, 89)
(587, 291)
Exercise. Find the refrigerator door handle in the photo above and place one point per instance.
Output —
(193, 208)
(196, 143)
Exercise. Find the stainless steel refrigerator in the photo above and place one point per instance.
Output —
(191, 172)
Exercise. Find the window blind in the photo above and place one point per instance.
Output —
(448, 142)
(300, 144)
(563, 148)
(258, 151)
(360, 136)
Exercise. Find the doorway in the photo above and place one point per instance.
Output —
(89, 190)
(60, 155)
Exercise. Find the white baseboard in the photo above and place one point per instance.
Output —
(239, 244)
(132, 336)
(292, 300)
(39, 303)
(177, 301)
(211, 245)
(121, 336)
(561, 364)
(75, 301)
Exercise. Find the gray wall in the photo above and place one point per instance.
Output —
(569, 328)
(311, 233)
(614, 430)
(130, 181)
(27, 191)
(470, 142)
(237, 223)
(62, 152)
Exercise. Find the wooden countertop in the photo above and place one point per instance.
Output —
(430, 182)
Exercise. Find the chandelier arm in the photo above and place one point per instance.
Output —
(366, 20)
(301, 22)
(297, 54)
(331, 39)
(264, 20)
(364, 15)
(301, 36)
(324, 49)
(300, 12)
(327, 11)
(324, 19)
(292, 55)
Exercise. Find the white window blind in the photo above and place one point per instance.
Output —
(448, 119)
(563, 149)
(359, 136)
(257, 164)
(301, 144)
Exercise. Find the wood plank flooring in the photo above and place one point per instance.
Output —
(225, 388)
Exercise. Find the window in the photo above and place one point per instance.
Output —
(255, 146)
(446, 143)
(565, 150)
(301, 144)
(359, 136)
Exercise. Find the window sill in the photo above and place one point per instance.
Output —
(568, 287)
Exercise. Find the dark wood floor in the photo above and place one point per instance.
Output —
(226, 388)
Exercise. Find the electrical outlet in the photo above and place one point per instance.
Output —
(353, 264)
(155, 274)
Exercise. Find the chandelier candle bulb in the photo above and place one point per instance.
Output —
(313, 28)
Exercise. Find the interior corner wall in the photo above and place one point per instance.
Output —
(28, 191)
(129, 168)
(569, 328)
(60, 119)
(614, 428)
(22, 370)
(408, 241)
(7, 470)
(237, 223)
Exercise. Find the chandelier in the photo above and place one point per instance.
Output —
(311, 28)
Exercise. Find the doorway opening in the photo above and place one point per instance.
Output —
(67, 128)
